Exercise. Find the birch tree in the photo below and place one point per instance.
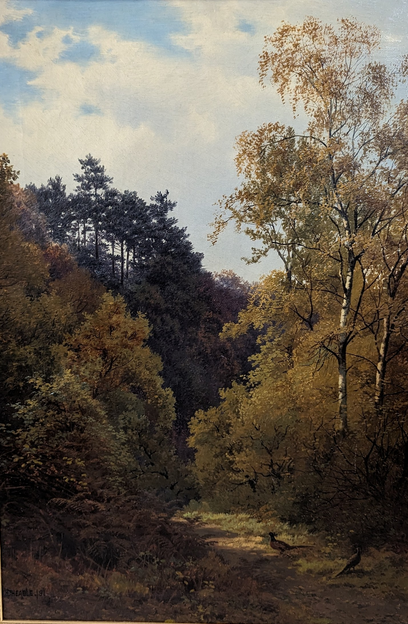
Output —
(327, 193)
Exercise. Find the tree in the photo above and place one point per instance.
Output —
(144, 255)
(272, 443)
(109, 353)
(7, 177)
(52, 201)
(14, 250)
(326, 195)
(187, 309)
(129, 231)
(22, 283)
(93, 185)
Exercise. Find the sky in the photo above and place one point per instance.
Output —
(158, 90)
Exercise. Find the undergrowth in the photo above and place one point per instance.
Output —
(168, 573)
(204, 590)
(381, 571)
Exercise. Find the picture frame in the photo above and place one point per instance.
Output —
(164, 91)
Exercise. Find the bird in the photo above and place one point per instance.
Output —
(278, 544)
(352, 562)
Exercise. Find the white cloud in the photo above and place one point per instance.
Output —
(165, 121)
(9, 13)
(36, 53)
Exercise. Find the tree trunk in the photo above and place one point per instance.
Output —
(342, 346)
(394, 279)
(343, 407)
(122, 262)
(96, 243)
(113, 257)
(382, 365)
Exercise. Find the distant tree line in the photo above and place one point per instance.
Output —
(118, 234)
(136, 248)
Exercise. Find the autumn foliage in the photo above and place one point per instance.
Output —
(320, 429)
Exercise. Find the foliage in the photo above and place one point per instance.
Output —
(336, 192)
(85, 415)
(137, 249)
(273, 441)
(320, 425)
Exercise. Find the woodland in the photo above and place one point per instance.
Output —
(145, 399)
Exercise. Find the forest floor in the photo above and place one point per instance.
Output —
(301, 582)
(238, 580)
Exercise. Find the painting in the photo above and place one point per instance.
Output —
(204, 311)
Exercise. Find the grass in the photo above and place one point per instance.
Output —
(196, 590)
(206, 588)
(381, 572)
(245, 524)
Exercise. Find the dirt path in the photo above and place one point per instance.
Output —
(303, 597)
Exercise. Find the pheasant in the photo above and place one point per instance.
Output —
(278, 544)
(352, 562)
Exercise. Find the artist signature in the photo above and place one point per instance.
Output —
(34, 593)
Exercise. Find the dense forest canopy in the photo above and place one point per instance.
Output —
(136, 248)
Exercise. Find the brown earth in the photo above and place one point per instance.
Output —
(301, 596)
(278, 589)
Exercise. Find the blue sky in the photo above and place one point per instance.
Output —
(149, 20)
(157, 89)
(134, 20)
